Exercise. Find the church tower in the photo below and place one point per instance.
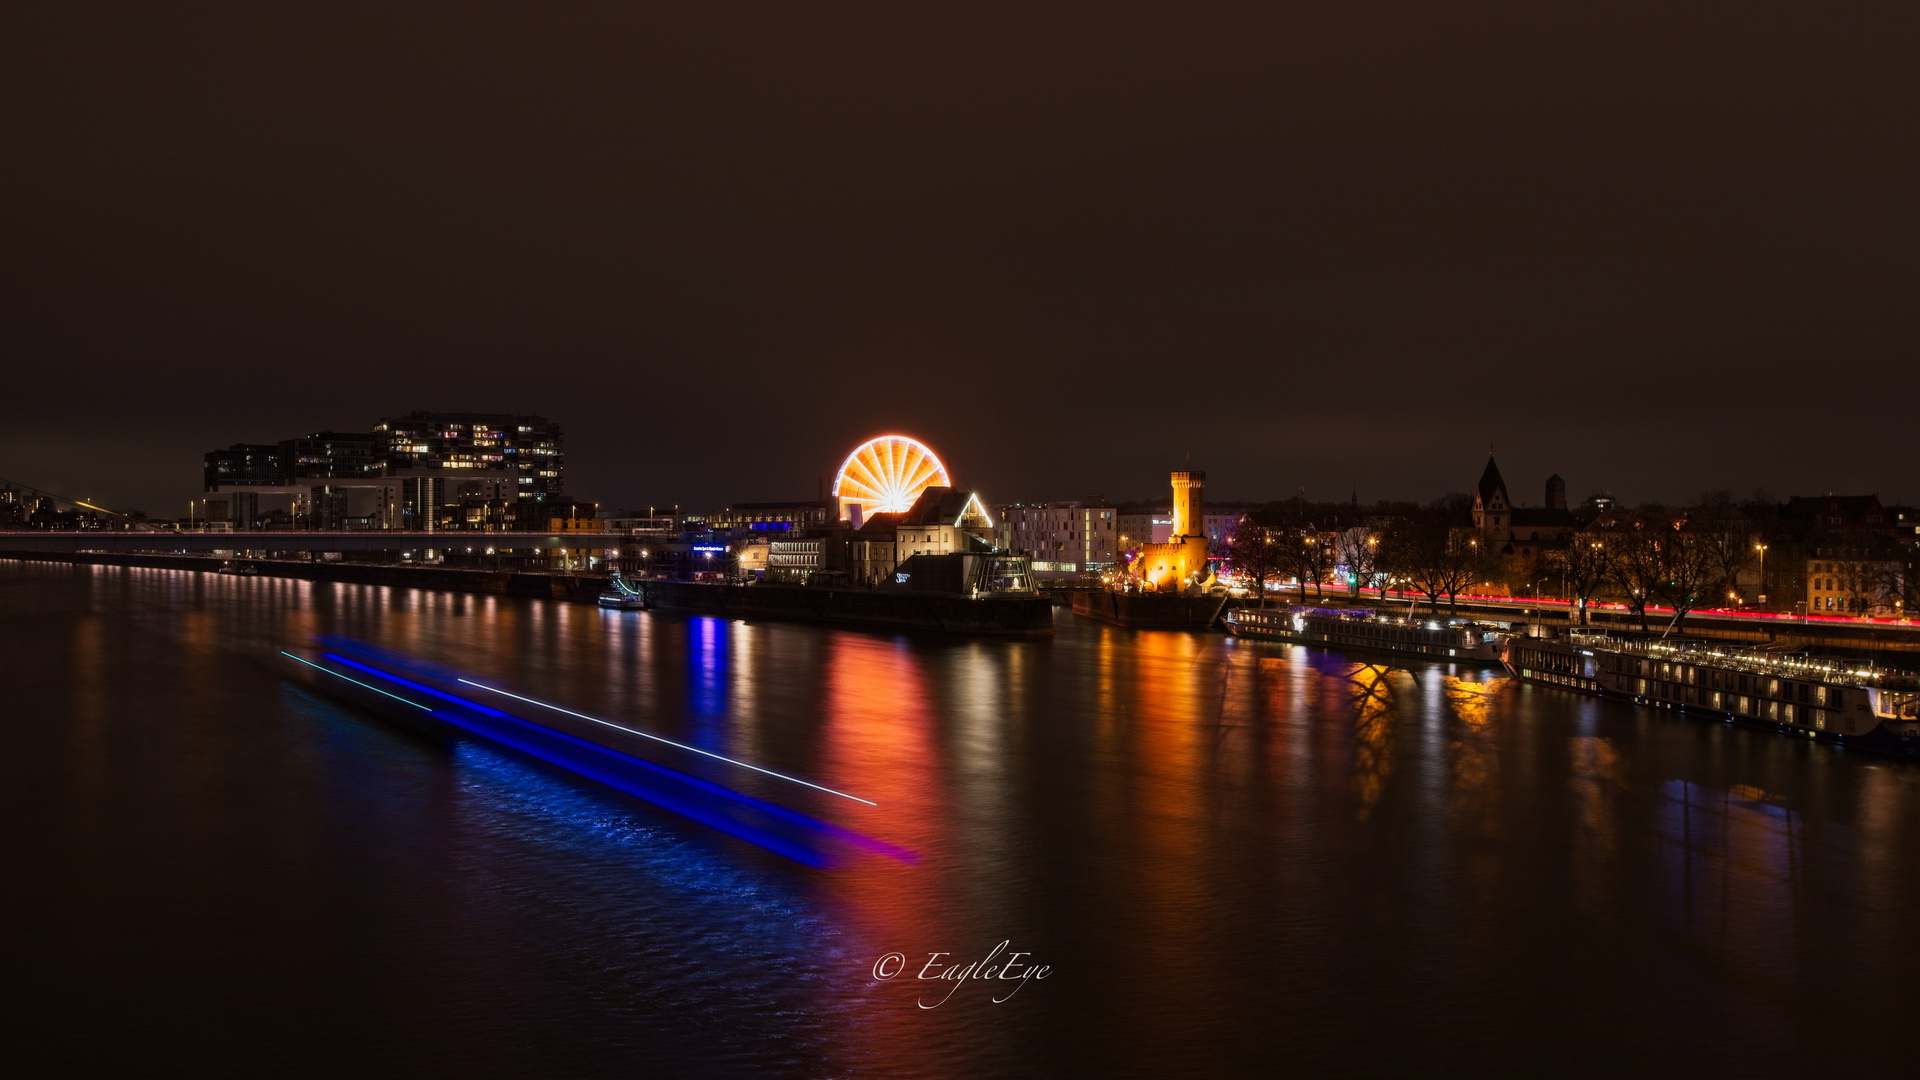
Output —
(1492, 510)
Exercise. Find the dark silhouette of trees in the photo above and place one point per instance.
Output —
(1251, 554)
(1358, 549)
(1632, 546)
(1437, 557)
(1587, 566)
(1304, 551)
(1688, 570)
(1729, 537)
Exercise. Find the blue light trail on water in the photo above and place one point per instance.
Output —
(411, 685)
(669, 742)
(355, 681)
(661, 786)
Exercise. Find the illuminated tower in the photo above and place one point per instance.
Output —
(1189, 511)
(1181, 562)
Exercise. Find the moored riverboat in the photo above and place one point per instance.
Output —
(622, 596)
(1837, 700)
(1359, 628)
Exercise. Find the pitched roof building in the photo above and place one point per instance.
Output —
(1506, 525)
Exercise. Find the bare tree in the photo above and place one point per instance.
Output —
(1358, 549)
(1895, 581)
(1687, 571)
(1251, 553)
(1586, 563)
(1304, 551)
(1437, 558)
(1730, 539)
(1633, 558)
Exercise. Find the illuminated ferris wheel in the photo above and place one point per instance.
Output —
(885, 475)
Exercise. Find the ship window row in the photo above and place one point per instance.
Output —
(1560, 662)
(1758, 708)
(1761, 685)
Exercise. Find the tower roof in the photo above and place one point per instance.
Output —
(1490, 481)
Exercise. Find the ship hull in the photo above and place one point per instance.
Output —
(1383, 636)
(1780, 698)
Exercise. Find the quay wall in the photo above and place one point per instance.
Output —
(542, 586)
(1155, 611)
(999, 616)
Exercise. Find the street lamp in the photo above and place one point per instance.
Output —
(1762, 549)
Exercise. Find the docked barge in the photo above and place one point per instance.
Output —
(1359, 628)
(1835, 700)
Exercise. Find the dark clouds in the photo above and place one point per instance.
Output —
(1655, 248)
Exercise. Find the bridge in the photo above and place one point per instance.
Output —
(31, 541)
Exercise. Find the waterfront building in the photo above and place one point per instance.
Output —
(242, 464)
(1520, 530)
(560, 513)
(1906, 521)
(1063, 537)
(1218, 522)
(1850, 538)
(245, 487)
(422, 471)
(328, 455)
(1140, 524)
(792, 561)
(1180, 562)
(941, 521)
(1838, 513)
(750, 556)
(773, 517)
(872, 551)
(1854, 579)
(530, 449)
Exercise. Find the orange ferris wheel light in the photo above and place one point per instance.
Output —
(886, 474)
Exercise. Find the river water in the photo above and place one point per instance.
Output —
(1229, 857)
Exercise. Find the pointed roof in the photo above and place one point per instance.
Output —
(879, 523)
(1490, 482)
(944, 506)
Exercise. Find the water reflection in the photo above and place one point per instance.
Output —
(1237, 854)
(1375, 714)
(1732, 861)
(707, 673)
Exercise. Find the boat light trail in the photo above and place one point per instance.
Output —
(356, 682)
(663, 739)
(411, 685)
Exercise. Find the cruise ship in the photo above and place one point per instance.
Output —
(1360, 628)
(1838, 700)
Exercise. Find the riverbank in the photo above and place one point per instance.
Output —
(991, 616)
(583, 587)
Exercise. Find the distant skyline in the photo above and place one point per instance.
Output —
(1653, 249)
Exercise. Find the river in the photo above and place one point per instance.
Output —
(1229, 857)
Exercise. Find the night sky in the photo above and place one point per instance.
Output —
(1656, 248)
